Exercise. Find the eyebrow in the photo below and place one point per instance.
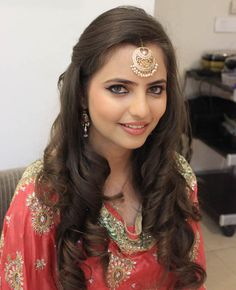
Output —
(128, 82)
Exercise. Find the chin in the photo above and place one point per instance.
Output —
(133, 145)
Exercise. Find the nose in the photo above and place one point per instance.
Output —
(139, 107)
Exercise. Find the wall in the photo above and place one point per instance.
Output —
(36, 44)
(190, 24)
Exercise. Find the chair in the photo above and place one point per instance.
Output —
(8, 182)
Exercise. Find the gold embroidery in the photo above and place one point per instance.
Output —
(14, 272)
(8, 220)
(186, 171)
(117, 232)
(28, 176)
(40, 264)
(2, 241)
(119, 270)
(1, 245)
(195, 249)
(42, 215)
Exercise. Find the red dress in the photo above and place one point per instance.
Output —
(28, 249)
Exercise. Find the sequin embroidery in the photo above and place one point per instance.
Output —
(119, 270)
(28, 176)
(2, 241)
(117, 232)
(40, 264)
(186, 171)
(8, 220)
(42, 215)
(14, 272)
(195, 249)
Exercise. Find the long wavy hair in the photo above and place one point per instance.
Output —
(77, 174)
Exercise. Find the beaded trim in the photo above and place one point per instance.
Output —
(117, 232)
(144, 63)
(195, 250)
(186, 171)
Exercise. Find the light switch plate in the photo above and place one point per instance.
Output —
(225, 24)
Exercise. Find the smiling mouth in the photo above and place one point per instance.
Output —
(134, 129)
(134, 126)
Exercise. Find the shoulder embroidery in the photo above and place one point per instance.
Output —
(8, 220)
(1, 243)
(29, 175)
(119, 270)
(186, 171)
(42, 215)
(14, 272)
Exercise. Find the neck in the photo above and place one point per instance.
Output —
(117, 157)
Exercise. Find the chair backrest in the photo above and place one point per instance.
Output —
(8, 182)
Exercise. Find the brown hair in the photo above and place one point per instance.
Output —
(77, 173)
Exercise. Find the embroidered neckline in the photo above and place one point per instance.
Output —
(116, 230)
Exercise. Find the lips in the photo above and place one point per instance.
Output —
(134, 128)
(135, 124)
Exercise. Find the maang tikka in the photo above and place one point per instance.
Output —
(85, 123)
(144, 63)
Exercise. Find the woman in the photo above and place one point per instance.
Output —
(112, 205)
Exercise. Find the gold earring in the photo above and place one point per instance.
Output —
(85, 123)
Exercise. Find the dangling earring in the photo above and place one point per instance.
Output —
(85, 123)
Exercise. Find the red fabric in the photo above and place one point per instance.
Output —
(20, 238)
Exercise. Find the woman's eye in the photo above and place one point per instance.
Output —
(157, 90)
(118, 89)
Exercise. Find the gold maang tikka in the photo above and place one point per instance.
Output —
(144, 63)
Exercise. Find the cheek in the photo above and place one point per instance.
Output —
(159, 109)
(103, 108)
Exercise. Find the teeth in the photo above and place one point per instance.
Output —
(133, 126)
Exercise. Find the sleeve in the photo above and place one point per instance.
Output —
(27, 246)
(197, 253)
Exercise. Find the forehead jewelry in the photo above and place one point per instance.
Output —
(144, 63)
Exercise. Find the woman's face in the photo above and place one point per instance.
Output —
(124, 107)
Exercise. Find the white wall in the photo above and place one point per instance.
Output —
(190, 24)
(37, 37)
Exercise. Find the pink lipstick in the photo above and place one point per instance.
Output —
(134, 128)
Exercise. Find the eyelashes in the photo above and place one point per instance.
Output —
(118, 89)
(122, 90)
(157, 90)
